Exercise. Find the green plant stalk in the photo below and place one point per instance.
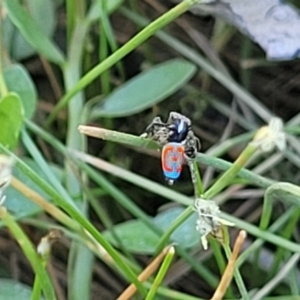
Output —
(196, 179)
(75, 11)
(267, 207)
(118, 137)
(102, 215)
(287, 233)
(37, 289)
(42, 163)
(289, 264)
(293, 282)
(132, 178)
(107, 39)
(121, 52)
(294, 130)
(51, 209)
(37, 286)
(110, 36)
(72, 73)
(161, 274)
(199, 268)
(103, 51)
(81, 262)
(225, 179)
(267, 211)
(70, 9)
(226, 110)
(30, 253)
(221, 149)
(81, 259)
(247, 175)
(81, 238)
(77, 215)
(218, 255)
(266, 235)
(259, 242)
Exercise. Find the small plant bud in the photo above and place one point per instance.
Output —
(271, 136)
(44, 247)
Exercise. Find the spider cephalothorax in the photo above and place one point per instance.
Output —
(177, 129)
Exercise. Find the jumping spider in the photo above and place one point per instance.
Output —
(178, 129)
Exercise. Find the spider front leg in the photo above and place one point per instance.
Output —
(157, 131)
(153, 127)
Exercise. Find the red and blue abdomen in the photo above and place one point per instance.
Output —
(172, 158)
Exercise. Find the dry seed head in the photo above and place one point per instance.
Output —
(209, 221)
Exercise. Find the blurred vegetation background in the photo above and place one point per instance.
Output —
(99, 63)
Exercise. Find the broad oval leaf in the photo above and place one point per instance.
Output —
(186, 234)
(32, 32)
(18, 80)
(146, 89)
(11, 289)
(43, 13)
(11, 120)
(136, 237)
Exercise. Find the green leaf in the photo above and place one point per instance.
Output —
(18, 80)
(19, 205)
(186, 234)
(146, 89)
(138, 238)
(43, 13)
(11, 289)
(32, 32)
(11, 120)
(135, 236)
